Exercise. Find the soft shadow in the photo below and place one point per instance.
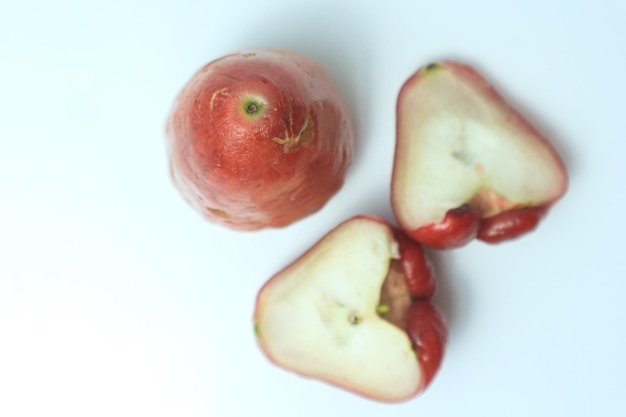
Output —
(450, 291)
(377, 203)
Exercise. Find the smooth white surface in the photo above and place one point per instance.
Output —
(117, 299)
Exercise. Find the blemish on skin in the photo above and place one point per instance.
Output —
(217, 212)
(290, 143)
(249, 54)
(221, 91)
(432, 66)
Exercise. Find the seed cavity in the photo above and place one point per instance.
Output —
(354, 319)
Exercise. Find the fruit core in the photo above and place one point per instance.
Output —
(395, 298)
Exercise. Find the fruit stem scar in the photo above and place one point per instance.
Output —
(252, 108)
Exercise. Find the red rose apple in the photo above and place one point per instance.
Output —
(467, 164)
(259, 139)
(355, 311)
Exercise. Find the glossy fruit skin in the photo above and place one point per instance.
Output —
(467, 222)
(418, 272)
(428, 332)
(259, 139)
(425, 325)
(458, 227)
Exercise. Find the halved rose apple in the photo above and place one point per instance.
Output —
(355, 311)
(466, 163)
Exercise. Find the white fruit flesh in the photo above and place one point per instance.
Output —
(318, 317)
(454, 141)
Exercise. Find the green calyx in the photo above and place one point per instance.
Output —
(253, 107)
(432, 66)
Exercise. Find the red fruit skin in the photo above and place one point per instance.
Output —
(465, 223)
(263, 166)
(416, 268)
(462, 224)
(510, 224)
(428, 333)
(459, 227)
(425, 325)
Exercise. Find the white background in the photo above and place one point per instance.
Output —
(116, 299)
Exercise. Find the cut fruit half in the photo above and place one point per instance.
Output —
(345, 313)
(466, 163)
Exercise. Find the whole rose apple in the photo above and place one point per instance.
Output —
(259, 139)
